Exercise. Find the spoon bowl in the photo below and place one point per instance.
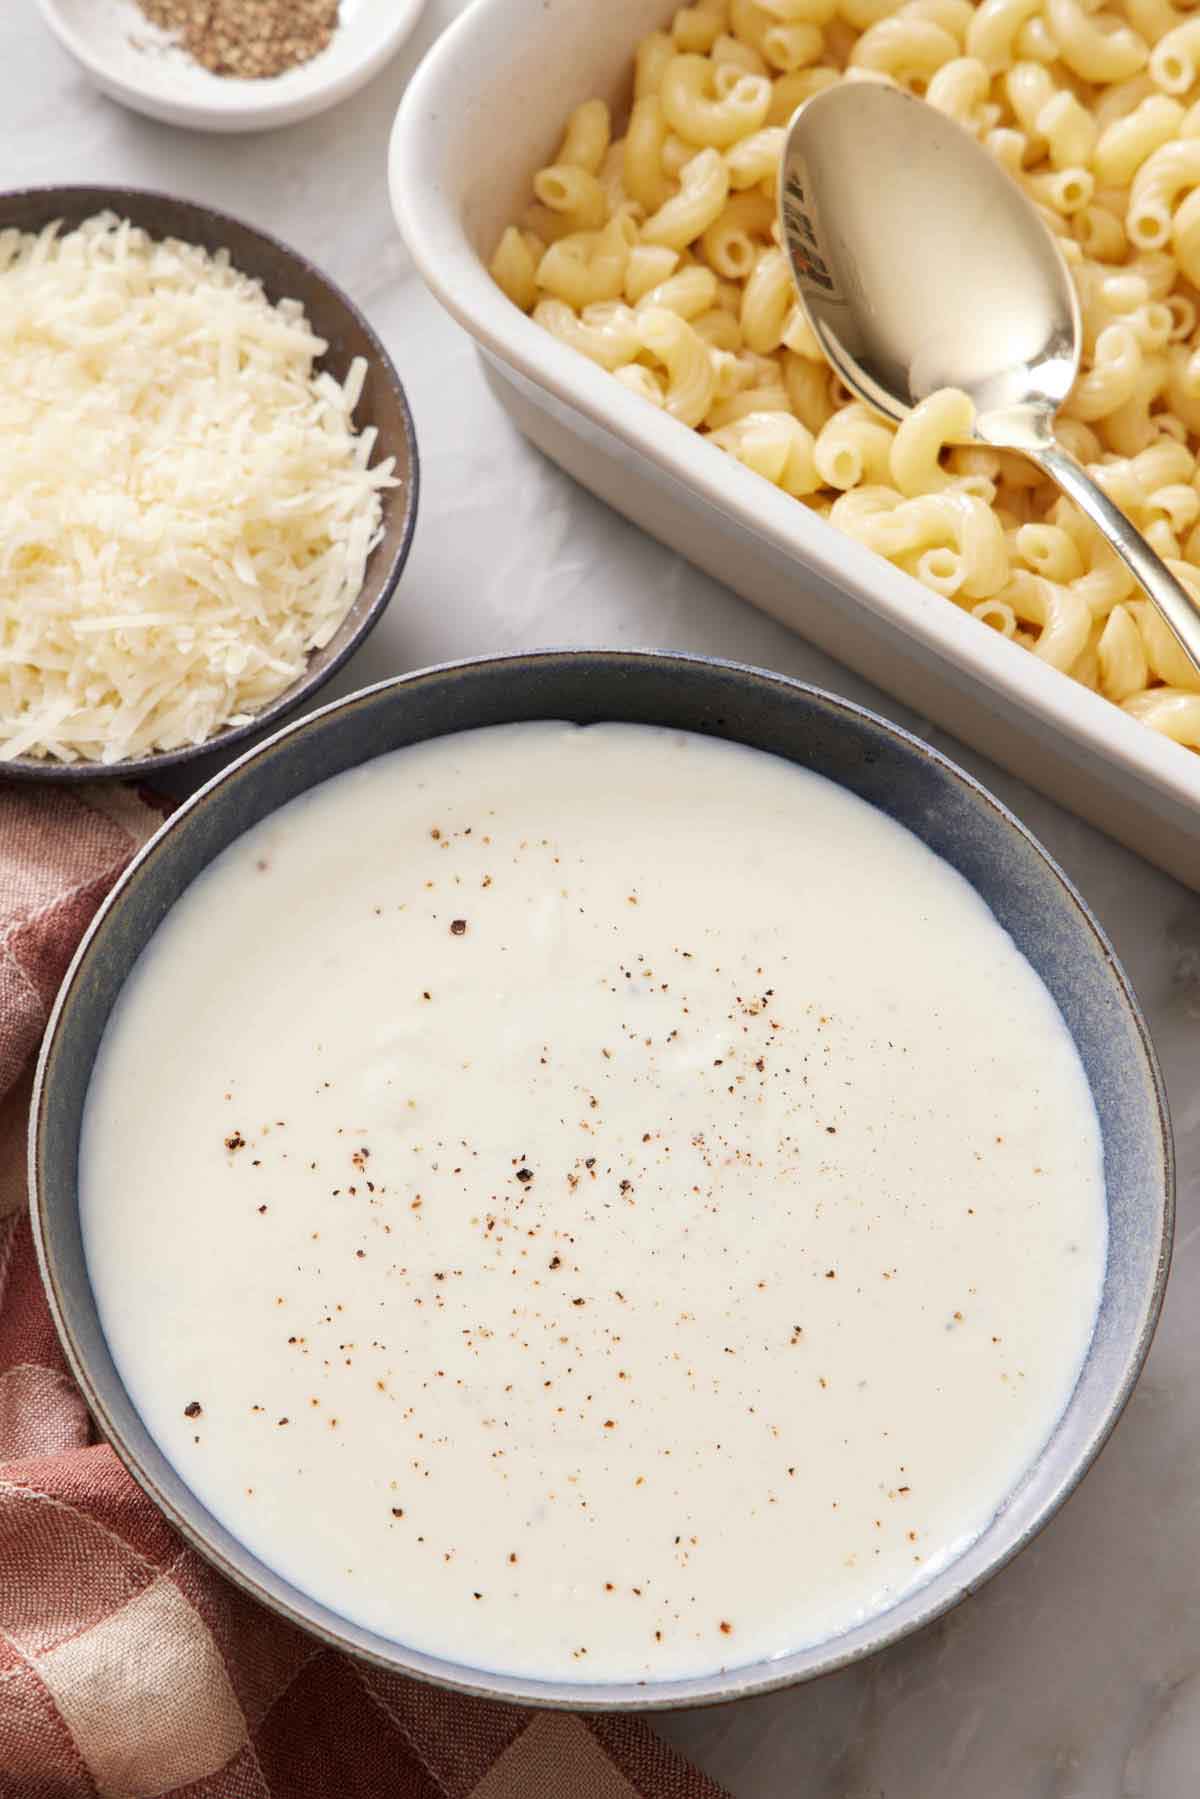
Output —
(921, 266)
(937, 271)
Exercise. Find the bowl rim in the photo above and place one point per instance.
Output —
(231, 109)
(928, 1604)
(143, 768)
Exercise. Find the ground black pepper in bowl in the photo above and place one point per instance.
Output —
(252, 39)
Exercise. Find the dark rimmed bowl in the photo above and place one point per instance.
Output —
(943, 806)
(285, 274)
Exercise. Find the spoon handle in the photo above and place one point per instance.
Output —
(1173, 600)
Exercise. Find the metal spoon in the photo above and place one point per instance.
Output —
(921, 265)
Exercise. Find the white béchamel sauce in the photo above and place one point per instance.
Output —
(593, 1203)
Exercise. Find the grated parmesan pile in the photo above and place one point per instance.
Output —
(185, 509)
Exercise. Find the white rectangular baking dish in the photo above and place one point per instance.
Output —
(486, 109)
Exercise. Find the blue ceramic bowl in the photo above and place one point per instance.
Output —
(894, 771)
(284, 274)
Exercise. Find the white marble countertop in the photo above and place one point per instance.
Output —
(1076, 1673)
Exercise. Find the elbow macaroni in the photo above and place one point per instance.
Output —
(703, 190)
(944, 418)
(654, 253)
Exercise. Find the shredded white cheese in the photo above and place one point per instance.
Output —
(185, 508)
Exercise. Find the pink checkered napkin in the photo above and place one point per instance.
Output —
(127, 1667)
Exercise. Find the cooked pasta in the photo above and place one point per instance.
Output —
(655, 253)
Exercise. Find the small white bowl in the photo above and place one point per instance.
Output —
(133, 62)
